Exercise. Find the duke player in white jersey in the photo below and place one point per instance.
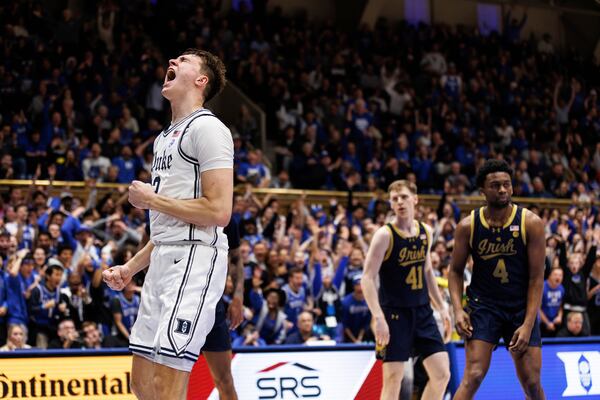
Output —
(189, 201)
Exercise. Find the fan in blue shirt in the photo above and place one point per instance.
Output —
(355, 314)
(551, 312)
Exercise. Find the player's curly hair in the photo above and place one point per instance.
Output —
(491, 166)
(214, 68)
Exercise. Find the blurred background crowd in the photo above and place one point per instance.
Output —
(350, 111)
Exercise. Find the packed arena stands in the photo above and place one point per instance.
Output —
(81, 101)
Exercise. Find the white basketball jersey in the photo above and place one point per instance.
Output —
(198, 143)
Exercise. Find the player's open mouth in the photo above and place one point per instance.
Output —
(170, 75)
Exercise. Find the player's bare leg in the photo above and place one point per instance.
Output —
(219, 363)
(142, 371)
(528, 366)
(392, 379)
(438, 369)
(169, 383)
(479, 354)
(152, 381)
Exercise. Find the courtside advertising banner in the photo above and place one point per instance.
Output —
(569, 371)
(90, 377)
(331, 375)
(328, 375)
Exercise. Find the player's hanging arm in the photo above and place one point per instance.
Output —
(434, 291)
(213, 208)
(536, 253)
(375, 255)
(460, 254)
(235, 312)
(118, 276)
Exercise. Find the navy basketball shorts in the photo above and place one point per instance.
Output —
(218, 338)
(491, 322)
(413, 332)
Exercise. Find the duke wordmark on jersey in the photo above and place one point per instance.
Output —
(162, 162)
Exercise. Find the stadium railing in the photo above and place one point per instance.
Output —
(288, 196)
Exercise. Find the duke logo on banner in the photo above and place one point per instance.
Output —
(582, 370)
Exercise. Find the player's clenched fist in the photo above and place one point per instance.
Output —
(140, 194)
(117, 277)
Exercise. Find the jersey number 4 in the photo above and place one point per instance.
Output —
(415, 278)
(500, 271)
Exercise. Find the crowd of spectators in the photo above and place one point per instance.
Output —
(80, 100)
(430, 103)
(81, 97)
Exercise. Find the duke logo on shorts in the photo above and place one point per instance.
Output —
(183, 326)
(188, 266)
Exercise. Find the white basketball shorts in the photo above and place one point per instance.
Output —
(177, 309)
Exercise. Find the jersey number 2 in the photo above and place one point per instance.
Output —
(500, 271)
(156, 184)
(415, 278)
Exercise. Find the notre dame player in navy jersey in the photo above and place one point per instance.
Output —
(402, 316)
(217, 348)
(507, 244)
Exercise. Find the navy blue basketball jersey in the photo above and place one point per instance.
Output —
(401, 277)
(500, 260)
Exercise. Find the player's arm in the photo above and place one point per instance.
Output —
(141, 259)
(118, 276)
(434, 291)
(375, 255)
(212, 208)
(460, 254)
(235, 311)
(237, 273)
(432, 286)
(536, 253)
(209, 142)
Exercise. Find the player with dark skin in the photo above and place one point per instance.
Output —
(520, 328)
(218, 355)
